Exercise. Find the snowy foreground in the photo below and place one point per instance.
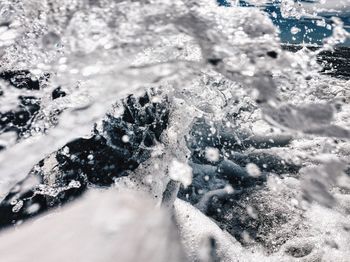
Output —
(169, 131)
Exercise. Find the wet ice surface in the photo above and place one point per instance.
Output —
(241, 146)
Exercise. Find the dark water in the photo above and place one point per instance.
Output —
(335, 63)
(309, 30)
